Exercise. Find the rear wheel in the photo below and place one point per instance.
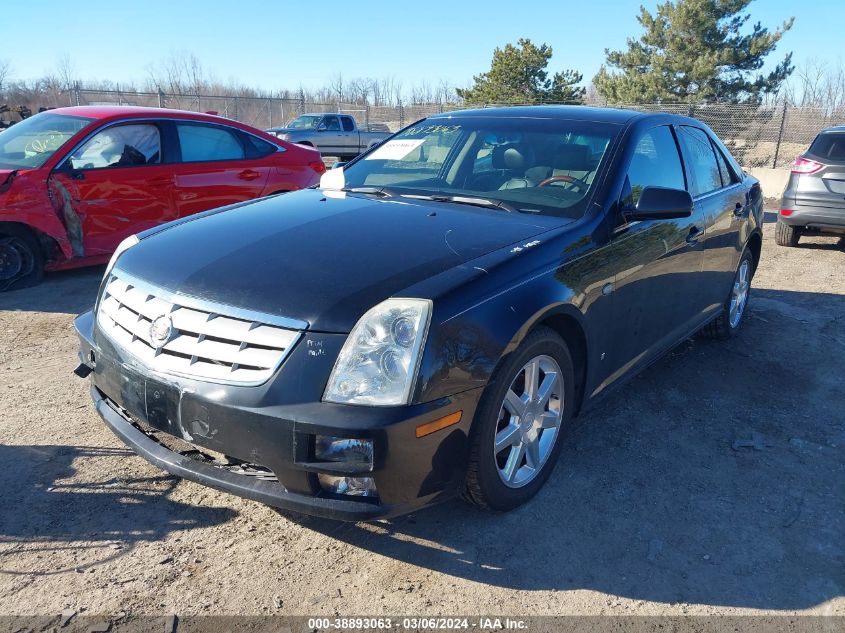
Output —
(786, 235)
(727, 324)
(520, 422)
(21, 259)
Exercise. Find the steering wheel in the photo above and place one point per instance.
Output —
(50, 141)
(572, 180)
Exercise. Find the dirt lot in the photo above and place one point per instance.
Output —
(713, 483)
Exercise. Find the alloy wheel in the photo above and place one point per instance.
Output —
(529, 421)
(739, 294)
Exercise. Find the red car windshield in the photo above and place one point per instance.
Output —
(30, 143)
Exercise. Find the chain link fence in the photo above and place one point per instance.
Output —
(759, 136)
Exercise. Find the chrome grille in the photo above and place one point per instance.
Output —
(207, 341)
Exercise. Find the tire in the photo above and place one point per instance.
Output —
(727, 324)
(21, 258)
(487, 484)
(786, 235)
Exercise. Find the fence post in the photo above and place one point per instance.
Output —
(367, 115)
(270, 110)
(76, 94)
(161, 101)
(401, 115)
(119, 99)
(780, 136)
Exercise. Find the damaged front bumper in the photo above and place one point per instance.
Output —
(258, 442)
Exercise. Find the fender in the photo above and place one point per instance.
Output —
(462, 354)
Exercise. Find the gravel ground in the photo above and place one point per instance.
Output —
(712, 483)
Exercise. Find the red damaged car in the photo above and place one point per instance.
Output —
(74, 182)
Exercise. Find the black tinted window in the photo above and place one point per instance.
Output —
(701, 159)
(830, 145)
(257, 147)
(655, 163)
(348, 125)
(728, 176)
(331, 123)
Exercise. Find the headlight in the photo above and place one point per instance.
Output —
(378, 363)
(124, 246)
(284, 137)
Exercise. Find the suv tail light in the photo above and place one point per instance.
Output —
(318, 166)
(805, 166)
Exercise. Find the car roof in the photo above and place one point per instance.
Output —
(835, 128)
(584, 113)
(119, 111)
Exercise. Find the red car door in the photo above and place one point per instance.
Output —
(116, 184)
(217, 167)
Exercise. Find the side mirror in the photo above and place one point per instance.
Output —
(322, 127)
(661, 203)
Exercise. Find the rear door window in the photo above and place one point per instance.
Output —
(348, 124)
(201, 143)
(701, 160)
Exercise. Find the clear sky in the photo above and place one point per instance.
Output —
(282, 44)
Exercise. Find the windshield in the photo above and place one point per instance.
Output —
(30, 143)
(305, 122)
(531, 165)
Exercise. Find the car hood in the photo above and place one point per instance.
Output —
(324, 259)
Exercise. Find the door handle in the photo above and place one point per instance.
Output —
(161, 181)
(694, 234)
(248, 174)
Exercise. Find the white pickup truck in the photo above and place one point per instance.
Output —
(332, 134)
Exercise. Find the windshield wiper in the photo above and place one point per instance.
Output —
(373, 191)
(476, 201)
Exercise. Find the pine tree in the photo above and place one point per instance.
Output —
(518, 75)
(695, 51)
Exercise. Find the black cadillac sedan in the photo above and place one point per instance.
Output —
(428, 321)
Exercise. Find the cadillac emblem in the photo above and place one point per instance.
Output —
(161, 329)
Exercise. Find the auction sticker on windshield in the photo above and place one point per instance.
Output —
(395, 150)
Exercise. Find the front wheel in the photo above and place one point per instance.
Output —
(21, 260)
(517, 435)
(727, 324)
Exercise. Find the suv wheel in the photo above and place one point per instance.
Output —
(21, 260)
(727, 324)
(518, 426)
(786, 235)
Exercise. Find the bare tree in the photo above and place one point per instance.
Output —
(5, 72)
(817, 83)
(66, 72)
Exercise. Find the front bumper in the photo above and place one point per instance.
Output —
(273, 426)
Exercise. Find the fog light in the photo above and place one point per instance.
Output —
(353, 486)
(356, 454)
